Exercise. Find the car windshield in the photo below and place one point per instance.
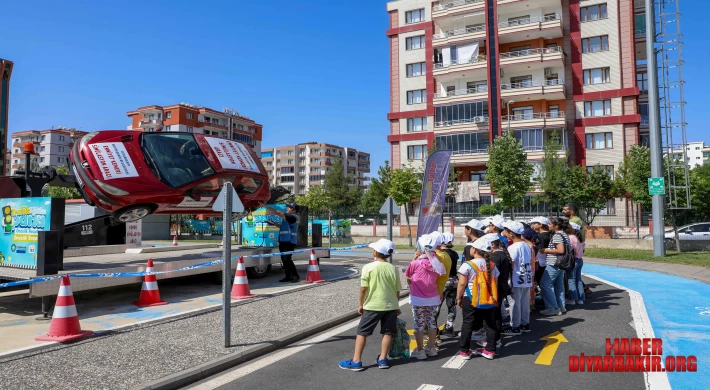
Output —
(175, 158)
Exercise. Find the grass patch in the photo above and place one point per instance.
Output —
(701, 259)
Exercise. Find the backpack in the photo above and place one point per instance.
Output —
(567, 260)
(483, 289)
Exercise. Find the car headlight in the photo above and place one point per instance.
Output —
(110, 189)
(86, 139)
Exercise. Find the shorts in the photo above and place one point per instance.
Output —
(424, 317)
(369, 320)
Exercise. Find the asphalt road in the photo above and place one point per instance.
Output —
(315, 365)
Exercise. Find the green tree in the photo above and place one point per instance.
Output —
(487, 210)
(315, 199)
(590, 191)
(405, 185)
(61, 192)
(508, 170)
(632, 175)
(341, 189)
(552, 173)
(700, 192)
(377, 192)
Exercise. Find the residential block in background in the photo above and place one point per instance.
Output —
(697, 153)
(52, 147)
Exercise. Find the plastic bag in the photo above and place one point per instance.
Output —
(400, 342)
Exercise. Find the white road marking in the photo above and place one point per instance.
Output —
(242, 371)
(455, 363)
(430, 387)
(654, 380)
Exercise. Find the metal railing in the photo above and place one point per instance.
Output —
(459, 92)
(530, 52)
(534, 115)
(452, 4)
(472, 60)
(640, 32)
(530, 20)
(460, 31)
(457, 122)
(473, 152)
(532, 83)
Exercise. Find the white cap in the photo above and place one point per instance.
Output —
(541, 221)
(575, 226)
(448, 237)
(482, 244)
(491, 237)
(514, 226)
(486, 221)
(426, 241)
(476, 224)
(497, 221)
(386, 247)
(437, 239)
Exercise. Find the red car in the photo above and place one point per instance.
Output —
(134, 174)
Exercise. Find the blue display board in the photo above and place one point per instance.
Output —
(257, 232)
(22, 218)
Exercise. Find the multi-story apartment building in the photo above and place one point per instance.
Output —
(227, 123)
(5, 74)
(298, 167)
(8, 165)
(52, 146)
(565, 71)
(697, 153)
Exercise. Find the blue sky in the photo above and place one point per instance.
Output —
(307, 70)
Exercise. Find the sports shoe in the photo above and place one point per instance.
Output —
(513, 332)
(563, 310)
(466, 355)
(580, 302)
(431, 351)
(486, 354)
(285, 280)
(383, 363)
(551, 312)
(295, 279)
(350, 365)
(483, 344)
(448, 331)
(525, 328)
(418, 354)
(570, 302)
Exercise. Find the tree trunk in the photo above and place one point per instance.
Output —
(675, 232)
(409, 227)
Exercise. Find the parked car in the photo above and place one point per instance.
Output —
(693, 231)
(133, 174)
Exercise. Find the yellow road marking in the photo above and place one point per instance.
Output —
(413, 341)
(553, 341)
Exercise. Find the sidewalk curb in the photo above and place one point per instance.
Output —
(216, 366)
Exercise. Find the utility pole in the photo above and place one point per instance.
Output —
(654, 127)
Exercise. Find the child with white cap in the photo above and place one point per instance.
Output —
(574, 276)
(378, 303)
(496, 226)
(501, 258)
(522, 278)
(450, 287)
(424, 295)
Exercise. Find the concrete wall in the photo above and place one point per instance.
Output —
(156, 227)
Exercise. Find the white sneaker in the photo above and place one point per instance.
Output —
(431, 351)
(570, 302)
(551, 312)
(580, 302)
(418, 354)
(563, 310)
(483, 344)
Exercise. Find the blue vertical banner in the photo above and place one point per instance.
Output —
(22, 219)
(434, 185)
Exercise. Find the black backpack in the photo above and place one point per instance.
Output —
(567, 260)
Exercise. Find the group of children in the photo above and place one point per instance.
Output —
(504, 262)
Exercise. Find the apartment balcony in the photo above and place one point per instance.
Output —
(640, 35)
(476, 124)
(452, 37)
(534, 120)
(548, 26)
(467, 157)
(461, 95)
(476, 66)
(448, 8)
(150, 122)
(534, 90)
(533, 58)
(212, 125)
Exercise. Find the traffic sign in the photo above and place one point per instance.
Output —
(237, 206)
(390, 205)
(656, 186)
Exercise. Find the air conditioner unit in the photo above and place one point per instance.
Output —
(480, 119)
(548, 71)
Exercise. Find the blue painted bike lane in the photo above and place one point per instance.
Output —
(679, 312)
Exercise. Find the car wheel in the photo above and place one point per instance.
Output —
(132, 213)
(258, 272)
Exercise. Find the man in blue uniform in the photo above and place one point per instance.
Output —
(288, 238)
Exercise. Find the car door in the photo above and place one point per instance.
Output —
(700, 231)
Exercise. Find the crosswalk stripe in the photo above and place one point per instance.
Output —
(455, 363)
(430, 387)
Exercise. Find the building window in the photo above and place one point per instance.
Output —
(61, 148)
(597, 76)
(415, 70)
(479, 176)
(456, 114)
(610, 208)
(593, 12)
(240, 127)
(597, 108)
(41, 159)
(414, 43)
(43, 137)
(414, 16)
(595, 44)
(416, 97)
(190, 115)
(416, 124)
(608, 168)
(644, 140)
(600, 141)
(60, 159)
(166, 128)
(640, 24)
(61, 138)
(189, 129)
(416, 152)
(168, 114)
(642, 82)
(287, 170)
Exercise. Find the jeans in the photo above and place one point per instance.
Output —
(474, 319)
(552, 285)
(289, 267)
(520, 309)
(574, 281)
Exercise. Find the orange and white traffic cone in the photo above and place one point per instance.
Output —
(313, 275)
(65, 325)
(240, 289)
(150, 296)
(175, 241)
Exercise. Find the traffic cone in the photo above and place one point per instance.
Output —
(175, 241)
(313, 275)
(65, 325)
(240, 289)
(150, 296)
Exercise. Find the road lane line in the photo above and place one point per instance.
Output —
(430, 387)
(653, 380)
(242, 371)
(455, 363)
